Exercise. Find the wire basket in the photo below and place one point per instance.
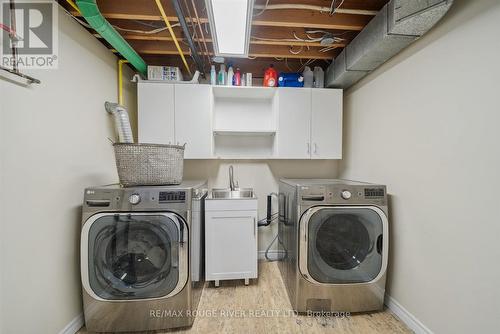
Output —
(149, 164)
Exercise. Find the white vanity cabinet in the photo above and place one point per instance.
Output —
(230, 239)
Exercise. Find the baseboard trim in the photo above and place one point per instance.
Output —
(405, 316)
(273, 254)
(74, 325)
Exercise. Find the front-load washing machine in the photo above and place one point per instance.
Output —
(333, 235)
(141, 256)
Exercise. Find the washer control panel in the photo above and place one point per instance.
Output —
(172, 197)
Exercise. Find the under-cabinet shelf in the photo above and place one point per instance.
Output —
(244, 92)
(224, 132)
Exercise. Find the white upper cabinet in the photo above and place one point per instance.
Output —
(242, 122)
(155, 113)
(326, 124)
(193, 124)
(294, 128)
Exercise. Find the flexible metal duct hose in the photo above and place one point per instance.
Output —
(122, 122)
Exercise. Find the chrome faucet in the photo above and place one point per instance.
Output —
(232, 185)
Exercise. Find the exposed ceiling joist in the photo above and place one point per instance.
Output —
(281, 18)
(276, 51)
(167, 38)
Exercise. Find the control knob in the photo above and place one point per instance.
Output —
(345, 194)
(134, 199)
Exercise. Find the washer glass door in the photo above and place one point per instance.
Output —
(344, 245)
(135, 256)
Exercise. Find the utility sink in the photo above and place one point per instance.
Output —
(227, 193)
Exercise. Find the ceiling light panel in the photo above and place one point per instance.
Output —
(230, 24)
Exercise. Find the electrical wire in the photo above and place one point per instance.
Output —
(264, 220)
(321, 9)
(333, 8)
(146, 32)
(266, 254)
(308, 62)
(263, 10)
(201, 31)
(327, 48)
(296, 52)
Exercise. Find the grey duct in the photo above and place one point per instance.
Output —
(187, 34)
(396, 26)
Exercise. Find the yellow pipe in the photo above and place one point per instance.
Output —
(120, 80)
(72, 4)
(162, 11)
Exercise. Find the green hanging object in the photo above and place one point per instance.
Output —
(93, 16)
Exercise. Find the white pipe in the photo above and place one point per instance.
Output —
(317, 8)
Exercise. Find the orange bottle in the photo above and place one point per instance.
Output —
(270, 77)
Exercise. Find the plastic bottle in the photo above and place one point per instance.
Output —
(243, 79)
(319, 77)
(237, 78)
(213, 76)
(221, 79)
(248, 79)
(230, 75)
(308, 77)
(270, 77)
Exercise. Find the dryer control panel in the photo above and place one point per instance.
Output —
(346, 194)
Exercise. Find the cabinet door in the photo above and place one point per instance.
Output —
(230, 245)
(326, 124)
(193, 124)
(155, 113)
(294, 126)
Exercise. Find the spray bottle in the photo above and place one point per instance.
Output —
(221, 78)
(230, 75)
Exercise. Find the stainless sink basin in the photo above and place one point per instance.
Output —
(232, 194)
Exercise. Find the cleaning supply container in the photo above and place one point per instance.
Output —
(290, 80)
(319, 77)
(308, 77)
(270, 77)
(213, 76)
(149, 164)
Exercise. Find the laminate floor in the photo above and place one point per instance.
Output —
(263, 307)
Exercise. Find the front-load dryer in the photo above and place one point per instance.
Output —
(333, 235)
(141, 256)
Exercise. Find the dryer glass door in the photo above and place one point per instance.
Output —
(136, 256)
(344, 245)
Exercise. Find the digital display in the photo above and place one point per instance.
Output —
(374, 192)
(172, 197)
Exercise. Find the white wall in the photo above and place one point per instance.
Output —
(1, 216)
(427, 125)
(263, 176)
(54, 143)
